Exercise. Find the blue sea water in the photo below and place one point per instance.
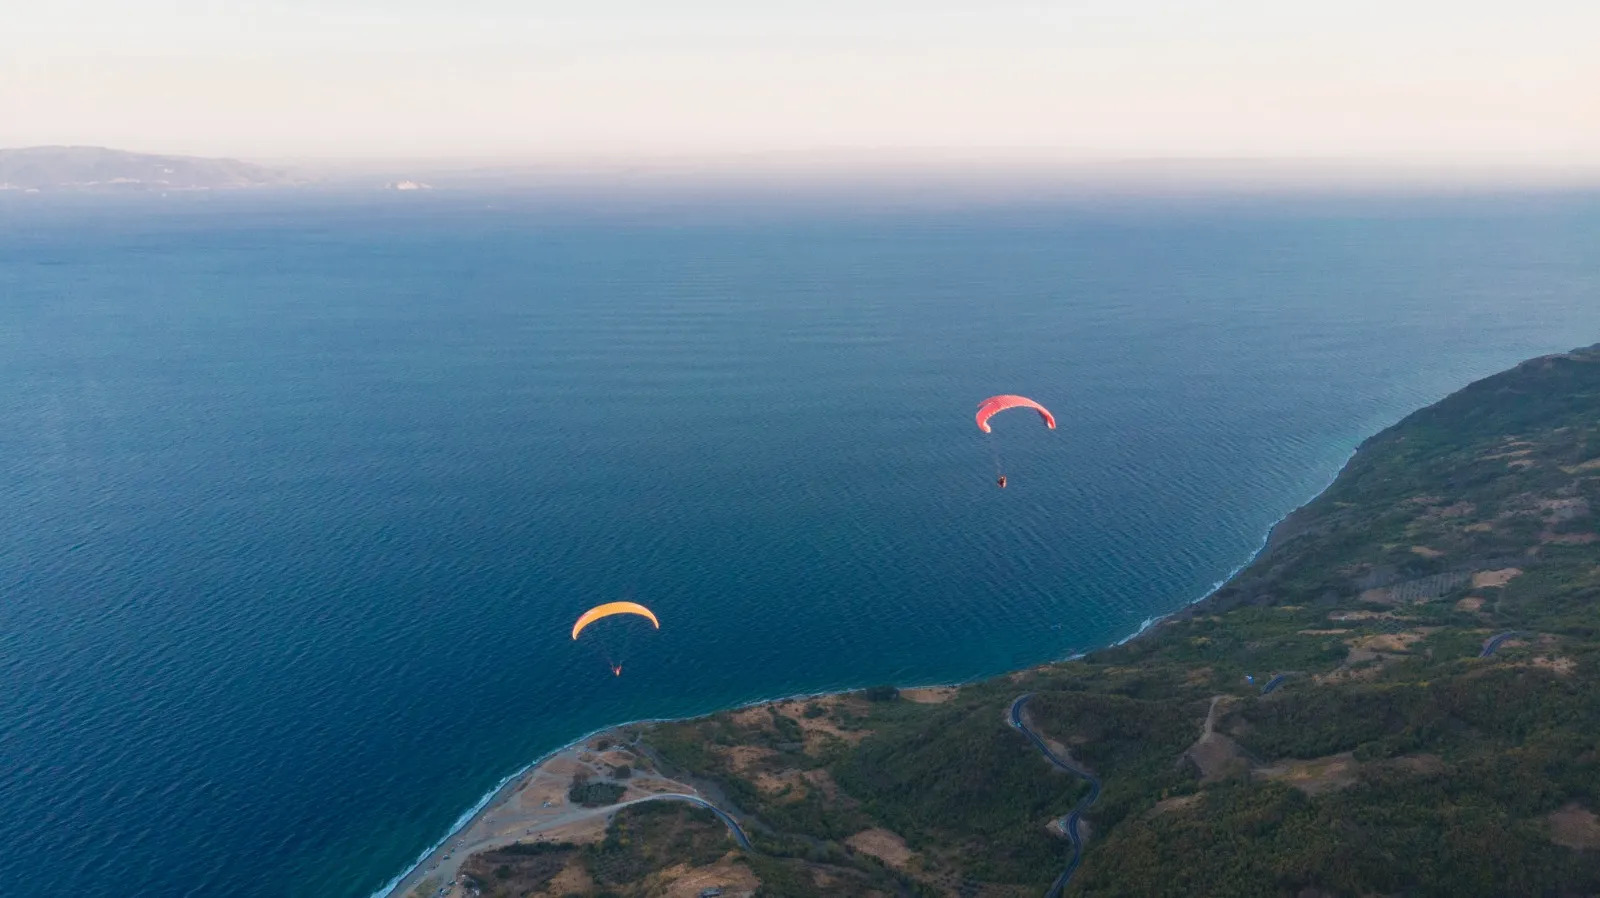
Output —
(301, 493)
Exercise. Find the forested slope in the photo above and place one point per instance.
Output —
(1389, 757)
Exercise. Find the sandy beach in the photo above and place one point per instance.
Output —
(534, 807)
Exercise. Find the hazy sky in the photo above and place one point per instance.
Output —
(1420, 80)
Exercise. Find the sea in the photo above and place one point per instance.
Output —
(301, 492)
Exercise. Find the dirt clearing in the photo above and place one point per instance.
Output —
(883, 845)
(1495, 579)
(1422, 765)
(1317, 775)
(812, 728)
(1382, 647)
(735, 880)
(1558, 665)
(1168, 805)
(1575, 827)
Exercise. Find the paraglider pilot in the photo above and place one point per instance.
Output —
(994, 404)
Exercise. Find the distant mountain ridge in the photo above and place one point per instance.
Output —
(101, 168)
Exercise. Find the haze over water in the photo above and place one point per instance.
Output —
(303, 493)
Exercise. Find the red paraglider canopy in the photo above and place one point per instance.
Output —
(988, 407)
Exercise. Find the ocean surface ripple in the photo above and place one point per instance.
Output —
(302, 495)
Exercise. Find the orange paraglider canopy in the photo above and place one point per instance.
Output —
(995, 404)
(610, 608)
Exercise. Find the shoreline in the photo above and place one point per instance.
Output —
(507, 786)
(1261, 552)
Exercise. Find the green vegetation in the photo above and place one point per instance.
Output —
(594, 794)
(1468, 518)
(649, 836)
(514, 870)
(1391, 759)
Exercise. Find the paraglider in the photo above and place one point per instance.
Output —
(988, 408)
(992, 406)
(609, 609)
(613, 641)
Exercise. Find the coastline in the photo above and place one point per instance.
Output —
(1268, 543)
(471, 816)
(511, 783)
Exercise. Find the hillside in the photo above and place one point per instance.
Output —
(101, 169)
(1401, 696)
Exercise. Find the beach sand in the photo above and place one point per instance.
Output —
(534, 807)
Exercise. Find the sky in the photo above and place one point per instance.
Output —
(1461, 82)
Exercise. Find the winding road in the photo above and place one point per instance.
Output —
(1494, 641)
(1069, 823)
(1277, 681)
(733, 825)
